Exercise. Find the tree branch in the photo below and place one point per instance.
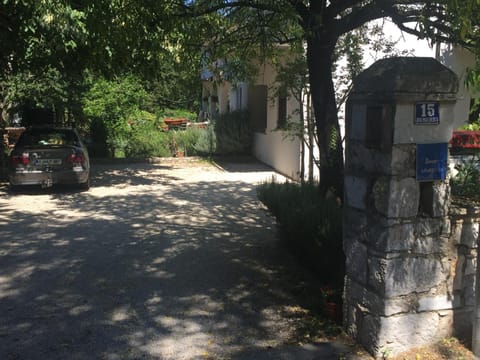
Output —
(357, 17)
(430, 15)
(339, 6)
(207, 7)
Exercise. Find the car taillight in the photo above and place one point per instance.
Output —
(76, 158)
(22, 159)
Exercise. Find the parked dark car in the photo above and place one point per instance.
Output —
(47, 156)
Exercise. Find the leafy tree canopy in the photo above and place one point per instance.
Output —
(56, 41)
(320, 24)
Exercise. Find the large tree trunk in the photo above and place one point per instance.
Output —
(319, 58)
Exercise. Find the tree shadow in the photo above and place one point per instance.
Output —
(148, 271)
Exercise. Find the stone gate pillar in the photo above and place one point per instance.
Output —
(398, 289)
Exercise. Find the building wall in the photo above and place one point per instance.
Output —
(281, 154)
(275, 147)
(272, 146)
(459, 60)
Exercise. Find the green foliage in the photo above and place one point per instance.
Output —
(114, 100)
(229, 134)
(207, 141)
(467, 180)
(43, 90)
(117, 103)
(310, 225)
(188, 139)
(233, 133)
(350, 53)
(53, 44)
(139, 117)
(129, 129)
(471, 127)
(147, 141)
(177, 113)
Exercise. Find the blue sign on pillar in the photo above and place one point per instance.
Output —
(432, 161)
(427, 113)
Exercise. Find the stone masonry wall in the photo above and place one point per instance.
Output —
(464, 237)
(411, 257)
(400, 263)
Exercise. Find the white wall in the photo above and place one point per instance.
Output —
(281, 154)
(459, 60)
(273, 147)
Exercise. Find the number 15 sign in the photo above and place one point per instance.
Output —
(427, 113)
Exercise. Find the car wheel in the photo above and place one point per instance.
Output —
(85, 186)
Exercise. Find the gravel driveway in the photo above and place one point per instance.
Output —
(174, 260)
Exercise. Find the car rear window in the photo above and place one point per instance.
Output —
(48, 137)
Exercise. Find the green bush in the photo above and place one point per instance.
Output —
(233, 133)
(467, 180)
(147, 141)
(186, 140)
(207, 141)
(114, 103)
(471, 127)
(177, 113)
(310, 225)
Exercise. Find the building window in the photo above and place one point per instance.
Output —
(282, 112)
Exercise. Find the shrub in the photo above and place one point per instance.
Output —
(147, 141)
(229, 134)
(233, 133)
(113, 102)
(207, 141)
(177, 113)
(467, 180)
(310, 226)
(187, 139)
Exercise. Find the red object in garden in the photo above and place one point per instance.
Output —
(466, 139)
(334, 312)
(176, 123)
(332, 300)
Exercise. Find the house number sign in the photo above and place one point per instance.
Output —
(427, 113)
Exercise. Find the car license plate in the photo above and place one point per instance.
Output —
(48, 162)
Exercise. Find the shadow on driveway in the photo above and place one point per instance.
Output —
(154, 262)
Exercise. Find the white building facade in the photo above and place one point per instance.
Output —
(274, 146)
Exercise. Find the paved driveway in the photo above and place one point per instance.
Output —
(155, 261)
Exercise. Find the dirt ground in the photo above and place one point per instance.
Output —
(447, 349)
(175, 259)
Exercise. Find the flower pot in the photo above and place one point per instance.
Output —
(334, 312)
